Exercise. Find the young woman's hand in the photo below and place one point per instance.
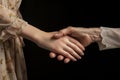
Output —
(65, 46)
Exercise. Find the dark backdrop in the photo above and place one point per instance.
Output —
(51, 16)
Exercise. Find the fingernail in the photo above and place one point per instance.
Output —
(83, 49)
(80, 57)
(75, 59)
(82, 53)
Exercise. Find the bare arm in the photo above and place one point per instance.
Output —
(14, 26)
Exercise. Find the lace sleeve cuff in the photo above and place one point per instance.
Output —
(110, 38)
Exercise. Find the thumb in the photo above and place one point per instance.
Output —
(58, 34)
(63, 32)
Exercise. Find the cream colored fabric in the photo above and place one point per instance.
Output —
(12, 62)
(110, 38)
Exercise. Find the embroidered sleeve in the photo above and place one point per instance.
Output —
(10, 24)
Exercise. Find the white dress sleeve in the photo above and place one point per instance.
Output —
(10, 24)
(110, 38)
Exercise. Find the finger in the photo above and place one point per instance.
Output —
(72, 52)
(60, 57)
(68, 55)
(67, 31)
(63, 32)
(52, 55)
(58, 35)
(75, 45)
(66, 60)
(76, 49)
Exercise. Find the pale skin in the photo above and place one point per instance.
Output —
(85, 36)
(66, 46)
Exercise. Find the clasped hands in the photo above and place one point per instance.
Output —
(81, 37)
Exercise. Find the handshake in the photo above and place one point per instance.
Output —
(77, 38)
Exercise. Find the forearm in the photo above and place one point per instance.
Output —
(14, 26)
(95, 34)
(32, 33)
(107, 38)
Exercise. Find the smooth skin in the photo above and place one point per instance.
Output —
(66, 46)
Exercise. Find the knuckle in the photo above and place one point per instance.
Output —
(70, 28)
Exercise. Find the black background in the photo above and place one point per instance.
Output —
(55, 15)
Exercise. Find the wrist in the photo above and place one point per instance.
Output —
(34, 34)
(42, 39)
(95, 34)
(40, 36)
